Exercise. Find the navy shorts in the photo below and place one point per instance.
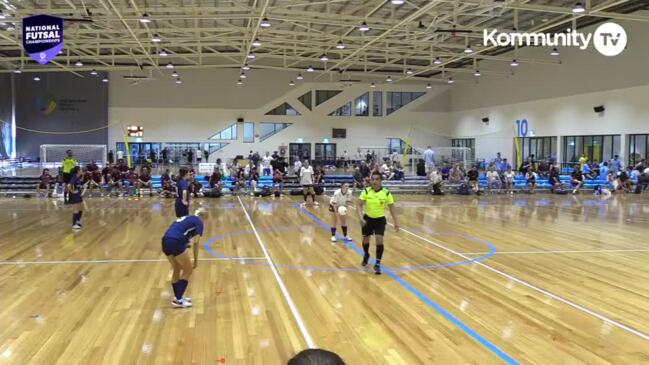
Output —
(67, 177)
(74, 198)
(374, 226)
(172, 246)
(182, 210)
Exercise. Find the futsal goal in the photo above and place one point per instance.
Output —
(84, 153)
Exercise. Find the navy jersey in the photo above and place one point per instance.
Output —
(76, 184)
(185, 228)
(183, 185)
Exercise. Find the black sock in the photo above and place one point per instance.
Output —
(175, 288)
(333, 231)
(79, 215)
(366, 248)
(182, 285)
(74, 218)
(379, 253)
(313, 197)
(344, 230)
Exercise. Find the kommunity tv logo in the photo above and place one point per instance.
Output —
(609, 39)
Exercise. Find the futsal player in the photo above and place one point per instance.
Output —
(182, 193)
(74, 196)
(69, 162)
(45, 183)
(338, 206)
(174, 246)
(144, 181)
(371, 213)
(306, 179)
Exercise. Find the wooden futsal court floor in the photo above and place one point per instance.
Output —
(500, 279)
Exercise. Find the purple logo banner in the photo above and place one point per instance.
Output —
(43, 37)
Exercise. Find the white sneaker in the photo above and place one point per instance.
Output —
(333, 238)
(187, 299)
(349, 238)
(316, 204)
(76, 226)
(183, 303)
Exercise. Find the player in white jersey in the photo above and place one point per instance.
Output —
(338, 206)
(306, 179)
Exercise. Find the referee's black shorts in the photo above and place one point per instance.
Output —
(67, 176)
(374, 226)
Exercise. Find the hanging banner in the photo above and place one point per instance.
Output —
(43, 37)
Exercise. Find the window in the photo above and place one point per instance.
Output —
(397, 100)
(638, 148)
(323, 95)
(463, 142)
(596, 148)
(362, 105)
(343, 111)
(284, 109)
(540, 147)
(248, 132)
(397, 144)
(229, 133)
(267, 130)
(377, 104)
(306, 99)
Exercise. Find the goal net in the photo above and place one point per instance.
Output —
(84, 153)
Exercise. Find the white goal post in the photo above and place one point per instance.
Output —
(84, 153)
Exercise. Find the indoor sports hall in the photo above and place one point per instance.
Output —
(324, 182)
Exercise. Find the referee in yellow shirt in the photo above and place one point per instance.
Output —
(371, 212)
(69, 162)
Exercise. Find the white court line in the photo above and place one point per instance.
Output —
(120, 261)
(280, 282)
(555, 251)
(543, 291)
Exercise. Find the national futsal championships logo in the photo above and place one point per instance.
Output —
(609, 39)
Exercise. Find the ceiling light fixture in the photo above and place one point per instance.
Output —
(468, 49)
(477, 73)
(78, 63)
(324, 58)
(364, 27)
(578, 8)
(178, 81)
(155, 38)
(409, 71)
(17, 71)
(105, 79)
(514, 63)
(291, 83)
(397, 2)
(555, 52)
(437, 61)
(251, 56)
(174, 74)
(256, 43)
(243, 76)
(340, 45)
(300, 77)
(239, 82)
(145, 18)
(428, 86)
(372, 85)
(265, 23)
(93, 72)
(170, 65)
(36, 78)
(389, 79)
(450, 80)
(245, 67)
(163, 53)
(310, 69)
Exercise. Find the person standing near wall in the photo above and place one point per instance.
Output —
(69, 163)
(429, 160)
(199, 155)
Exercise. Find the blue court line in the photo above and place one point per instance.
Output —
(476, 336)
(208, 247)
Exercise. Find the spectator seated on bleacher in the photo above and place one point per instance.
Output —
(493, 179)
(556, 186)
(456, 175)
(436, 181)
(399, 173)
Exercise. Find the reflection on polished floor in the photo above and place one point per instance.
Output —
(489, 280)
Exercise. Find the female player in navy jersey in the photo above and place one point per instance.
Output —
(74, 196)
(182, 197)
(174, 246)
